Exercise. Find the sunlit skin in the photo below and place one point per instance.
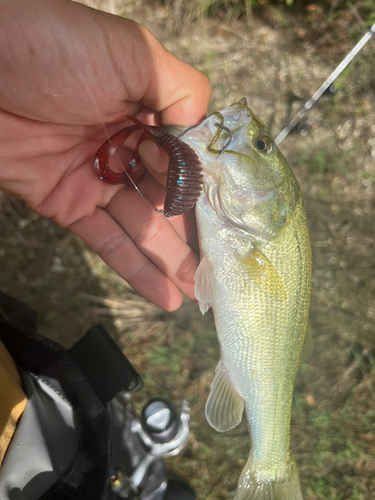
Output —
(70, 75)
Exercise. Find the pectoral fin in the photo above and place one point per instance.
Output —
(224, 407)
(264, 274)
(204, 289)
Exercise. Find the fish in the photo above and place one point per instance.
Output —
(255, 273)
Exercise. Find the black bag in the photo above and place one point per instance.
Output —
(75, 439)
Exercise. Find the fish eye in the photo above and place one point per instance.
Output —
(264, 145)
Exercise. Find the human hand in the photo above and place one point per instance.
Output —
(70, 76)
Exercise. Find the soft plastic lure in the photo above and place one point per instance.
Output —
(185, 176)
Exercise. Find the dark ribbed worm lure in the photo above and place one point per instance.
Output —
(185, 177)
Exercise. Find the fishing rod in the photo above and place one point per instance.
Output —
(310, 103)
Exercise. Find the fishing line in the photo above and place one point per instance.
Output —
(318, 94)
(83, 79)
(116, 156)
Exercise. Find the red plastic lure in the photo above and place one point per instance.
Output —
(185, 176)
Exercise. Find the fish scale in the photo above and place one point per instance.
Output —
(256, 274)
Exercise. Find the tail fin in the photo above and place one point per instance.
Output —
(254, 485)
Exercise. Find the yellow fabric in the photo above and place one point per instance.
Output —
(12, 399)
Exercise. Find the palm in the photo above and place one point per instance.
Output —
(58, 160)
(114, 220)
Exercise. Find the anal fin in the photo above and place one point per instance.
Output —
(224, 407)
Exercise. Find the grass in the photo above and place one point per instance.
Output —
(281, 10)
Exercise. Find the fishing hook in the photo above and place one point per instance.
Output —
(223, 127)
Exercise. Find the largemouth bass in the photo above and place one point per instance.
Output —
(256, 274)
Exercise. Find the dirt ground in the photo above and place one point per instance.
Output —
(277, 62)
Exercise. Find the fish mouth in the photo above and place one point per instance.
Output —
(231, 140)
(221, 132)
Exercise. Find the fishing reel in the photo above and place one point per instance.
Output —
(137, 444)
(159, 432)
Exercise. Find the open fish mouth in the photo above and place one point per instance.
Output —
(221, 132)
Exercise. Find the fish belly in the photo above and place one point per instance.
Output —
(261, 358)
